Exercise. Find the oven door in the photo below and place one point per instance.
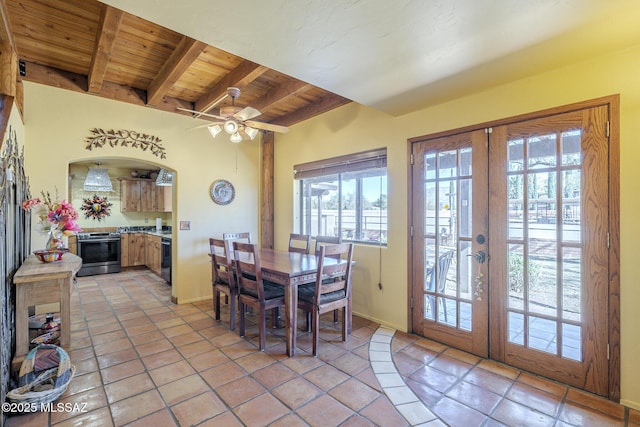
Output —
(99, 256)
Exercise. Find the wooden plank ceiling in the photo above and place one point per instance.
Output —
(87, 46)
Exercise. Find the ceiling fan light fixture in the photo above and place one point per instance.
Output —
(230, 127)
(236, 138)
(214, 130)
(251, 132)
(98, 180)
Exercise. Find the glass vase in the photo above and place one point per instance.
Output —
(55, 240)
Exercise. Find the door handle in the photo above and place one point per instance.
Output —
(480, 256)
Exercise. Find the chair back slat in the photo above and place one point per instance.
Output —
(340, 273)
(245, 236)
(300, 243)
(248, 268)
(326, 240)
(221, 264)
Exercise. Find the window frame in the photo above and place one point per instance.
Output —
(337, 167)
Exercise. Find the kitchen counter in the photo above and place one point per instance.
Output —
(153, 232)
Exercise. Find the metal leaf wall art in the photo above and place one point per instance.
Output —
(125, 138)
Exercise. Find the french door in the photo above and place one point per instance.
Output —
(510, 244)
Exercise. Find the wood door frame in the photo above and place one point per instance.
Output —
(613, 104)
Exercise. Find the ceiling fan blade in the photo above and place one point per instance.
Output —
(247, 113)
(267, 126)
(206, 125)
(200, 113)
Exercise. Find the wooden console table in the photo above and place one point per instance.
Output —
(44, 283)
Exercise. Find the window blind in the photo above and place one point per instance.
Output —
(349, 163)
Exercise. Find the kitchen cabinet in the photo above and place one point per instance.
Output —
(143, 195)
(153, 253)
(132, 249)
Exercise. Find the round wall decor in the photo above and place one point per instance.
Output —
(222, 192)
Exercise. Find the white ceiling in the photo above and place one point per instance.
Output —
(399, 56)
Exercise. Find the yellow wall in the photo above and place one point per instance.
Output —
(56, 125)
(355, 128)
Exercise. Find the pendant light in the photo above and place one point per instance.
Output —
(98, 180)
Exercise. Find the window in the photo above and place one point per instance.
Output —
(345, 196)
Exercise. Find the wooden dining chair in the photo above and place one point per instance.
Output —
(332, 289)
(253, 291)
(246, 236)
(223, 279)
(300, 243)
(325, 240)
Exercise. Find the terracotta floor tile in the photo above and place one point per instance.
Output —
(488, 380)
(454, 413)
(225, 419)
(499, 369)
(101, 348)
(207, 360)
(591, 401)
(197, 409)
(354, 394)
(123, 370)
(369, 378)
(80, 403)
(350, 364)
(86, 366)
(145, 338)
(512, 413)
(98, 418)
(141, 329)
(128, 387)
(153, 347)
(532, 397)
(326, 377)
(291, 420)
(117, 357)
(192, 349)
(261, 411)
(552, 387)
(226, 339)
(174, 331)
(81, 383)
(324, 410)
(163, 358)
(162, 418)
(222, 374)
(109, 336)
(474, 397)
(576, 414)
(238, 349)
(36, 419)
(451, 365)
(383, 413)
(434, 378)
(273, 375)
(255, 361)
(302, 363)
(296, 392)
(239, 391)
(169, 323)
(81, 354)
(136, 407)
(427, 395)
(172, 372)
(183, 389)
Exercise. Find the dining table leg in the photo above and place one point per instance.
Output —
(291, 316)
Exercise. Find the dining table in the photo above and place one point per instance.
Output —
(292, 269)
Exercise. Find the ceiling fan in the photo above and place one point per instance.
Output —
(235, 121)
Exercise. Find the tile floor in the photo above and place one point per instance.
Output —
(142, 360)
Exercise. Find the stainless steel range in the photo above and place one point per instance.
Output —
(100, 253)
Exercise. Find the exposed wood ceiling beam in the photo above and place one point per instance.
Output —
(5, 27)
(110, 20)
(327, 103)
(182, 57)
(242, 75)
(78, 83)
(279, 94)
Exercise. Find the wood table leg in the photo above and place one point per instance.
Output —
(291, 316)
